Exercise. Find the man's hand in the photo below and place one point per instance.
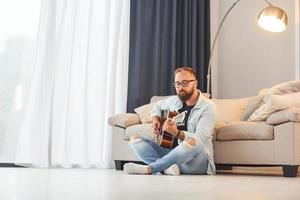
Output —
(155, 125)
(170, 127)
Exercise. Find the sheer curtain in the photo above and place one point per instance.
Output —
(80, 79)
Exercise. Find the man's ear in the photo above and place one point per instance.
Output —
(196, 83)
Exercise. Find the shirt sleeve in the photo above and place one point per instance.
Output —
(205, 126)
(156, 111)
(164, 104)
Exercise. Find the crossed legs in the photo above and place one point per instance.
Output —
(189, 157)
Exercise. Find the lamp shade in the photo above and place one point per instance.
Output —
(273, 19)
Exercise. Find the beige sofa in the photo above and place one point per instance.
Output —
(271, 139)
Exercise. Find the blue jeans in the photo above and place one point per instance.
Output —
(190, 159)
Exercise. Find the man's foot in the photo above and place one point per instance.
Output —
(172, 170)
(132, 168)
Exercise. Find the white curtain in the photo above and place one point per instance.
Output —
(80, 79)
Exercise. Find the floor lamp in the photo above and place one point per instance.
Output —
(271, 18)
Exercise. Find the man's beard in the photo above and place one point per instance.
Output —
(185, 96)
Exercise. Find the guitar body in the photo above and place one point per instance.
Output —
(166, 139)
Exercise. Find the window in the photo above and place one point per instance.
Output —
(19, 23)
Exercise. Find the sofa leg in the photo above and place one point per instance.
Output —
(119, 164)
(223, 167)
(290, 170)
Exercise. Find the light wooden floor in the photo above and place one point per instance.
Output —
(95, 184)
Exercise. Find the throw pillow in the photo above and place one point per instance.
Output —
(144, 112)
(283, 116)
(274, 103)
(263, 91)
(285, 88)
(252, 105)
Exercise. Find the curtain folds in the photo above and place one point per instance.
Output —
(80, 80)
(165, 35)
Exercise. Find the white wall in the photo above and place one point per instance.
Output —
(249, 58)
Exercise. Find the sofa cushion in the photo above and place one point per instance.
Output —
(144, 130)
(144, 112)
(252, 105)
(245, 131)
(229, 110)
(274, 103)
(283, 116)
(124, 120)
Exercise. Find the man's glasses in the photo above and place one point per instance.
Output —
(184, 83)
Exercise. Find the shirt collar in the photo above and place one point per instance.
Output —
(200, 98)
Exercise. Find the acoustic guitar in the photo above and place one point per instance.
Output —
(166, 139)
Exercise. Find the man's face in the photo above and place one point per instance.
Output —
(185, 85)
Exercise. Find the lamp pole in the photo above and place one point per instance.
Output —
(208, 90)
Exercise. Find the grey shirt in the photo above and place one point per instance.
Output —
(200, 124)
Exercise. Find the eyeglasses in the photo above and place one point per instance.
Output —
(184, 83)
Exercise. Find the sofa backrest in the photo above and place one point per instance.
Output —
(158, 98)
(229, 110)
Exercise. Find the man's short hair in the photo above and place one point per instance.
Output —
(187, 69)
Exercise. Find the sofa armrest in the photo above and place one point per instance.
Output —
(283, 116)
(124, 120)
(287, 143)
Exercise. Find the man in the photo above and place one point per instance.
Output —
(194, 153)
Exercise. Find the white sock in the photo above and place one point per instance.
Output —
(172, 170)
(132, 168)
